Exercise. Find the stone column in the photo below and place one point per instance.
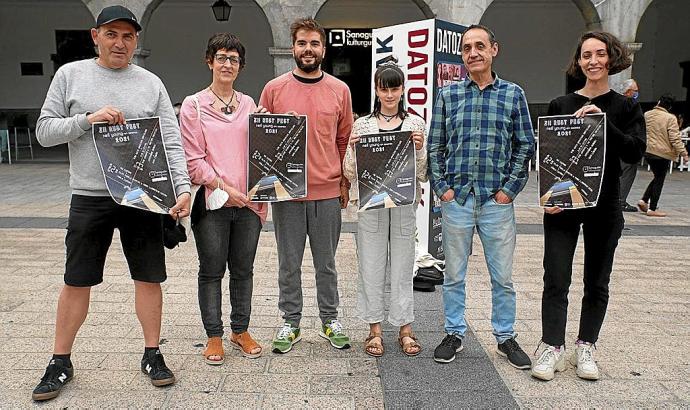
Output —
(280, 14)
(464, 12)
(282, 60)
(140, 55)
(616, 81)
(138, 7)
(621, 18)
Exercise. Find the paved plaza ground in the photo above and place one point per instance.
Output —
(642, 351)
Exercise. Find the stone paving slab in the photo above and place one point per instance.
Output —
(111, 340)
(647, 324)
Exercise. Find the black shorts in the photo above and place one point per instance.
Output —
(92, 221)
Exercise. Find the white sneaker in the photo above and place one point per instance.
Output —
(551, 360)
(583, 359)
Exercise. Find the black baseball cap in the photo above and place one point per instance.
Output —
(113, 13)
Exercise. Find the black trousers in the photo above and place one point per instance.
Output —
(628, 172)
(226, 239)
(659, 168)
(601, 229)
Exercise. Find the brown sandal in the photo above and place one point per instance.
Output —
(373, 348)
(245, 344)
(214, 347)
(410, 348)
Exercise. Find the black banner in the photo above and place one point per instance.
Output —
(277, 157)
(386, 169)
(571, 160)
(135, 164)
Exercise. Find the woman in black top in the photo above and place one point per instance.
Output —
(598, 55)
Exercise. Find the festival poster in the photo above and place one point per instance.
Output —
(277, 157)
(135, 164)
(572, 153)
(386, 170)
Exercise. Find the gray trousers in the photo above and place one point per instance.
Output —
(628, 172)
(293, 221)
(383, 235)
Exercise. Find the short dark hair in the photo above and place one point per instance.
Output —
(308, 24)
(492, 36)
(666, 101)
(227, 41)
(619, 55)
(389, 75)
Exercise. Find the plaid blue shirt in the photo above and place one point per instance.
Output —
(480, 139)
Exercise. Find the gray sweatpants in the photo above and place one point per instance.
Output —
(293, 221)
(385, 235)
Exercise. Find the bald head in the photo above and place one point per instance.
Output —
(630, 89)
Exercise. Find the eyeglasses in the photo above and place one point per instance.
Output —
(222, 58)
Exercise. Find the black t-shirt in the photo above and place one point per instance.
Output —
(307, 80)
(626, 136)
(398, 128)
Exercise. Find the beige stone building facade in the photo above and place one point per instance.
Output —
(536, 40)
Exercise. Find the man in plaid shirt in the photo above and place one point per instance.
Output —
(480, 141)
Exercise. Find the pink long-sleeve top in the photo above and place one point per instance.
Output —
(216, 145)
(328, 107)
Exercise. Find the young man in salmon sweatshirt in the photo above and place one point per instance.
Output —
(326, 102)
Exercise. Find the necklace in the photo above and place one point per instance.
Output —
(228, 109)
(388, 118)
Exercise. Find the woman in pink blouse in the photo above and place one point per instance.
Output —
(214, 125)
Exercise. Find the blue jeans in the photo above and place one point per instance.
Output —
(496, 227)
(226, 238)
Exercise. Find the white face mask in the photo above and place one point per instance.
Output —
(217, 199)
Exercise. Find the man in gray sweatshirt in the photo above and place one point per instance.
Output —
(108, 89)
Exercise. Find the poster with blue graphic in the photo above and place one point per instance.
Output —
(572, 153)
(386, 170)
(135, 164)
(277, 157)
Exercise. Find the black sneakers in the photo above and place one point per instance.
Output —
(445, 352)
(56, 376)
(626, 207)
(154, 366)
(516, 357)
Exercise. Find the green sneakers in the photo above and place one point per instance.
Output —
(333, 331)
(286, 337)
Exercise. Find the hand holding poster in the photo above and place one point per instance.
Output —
(386, 170)
(277, 157)
(135, 164)
(571, 160)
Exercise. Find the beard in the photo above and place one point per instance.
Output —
(308, 68)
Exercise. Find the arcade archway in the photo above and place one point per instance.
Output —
(177, 33)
